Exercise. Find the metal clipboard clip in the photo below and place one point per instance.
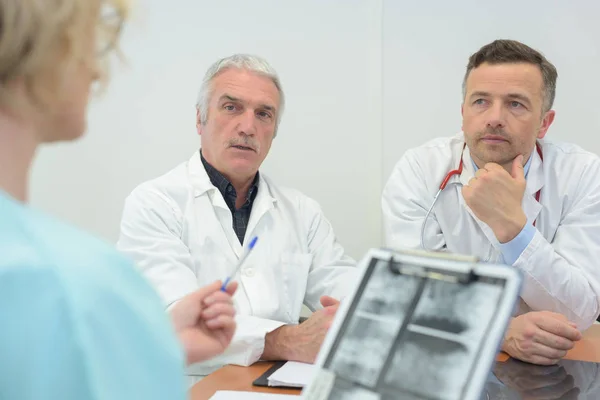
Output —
(398, 268)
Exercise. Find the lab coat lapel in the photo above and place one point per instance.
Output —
(535, 182)
(467, 173)
(219, 222)
(263, 203)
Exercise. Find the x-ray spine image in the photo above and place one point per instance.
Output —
(387, 294)
(365, 348)
(427, 367)
(344, 390)
(459, 309)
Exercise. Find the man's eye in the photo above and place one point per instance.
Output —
(515, 104)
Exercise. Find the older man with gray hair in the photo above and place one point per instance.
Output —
(192, 225)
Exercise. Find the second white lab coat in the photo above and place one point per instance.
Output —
(561, 264)
(178, 230)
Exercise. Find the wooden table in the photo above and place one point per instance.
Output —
(233, 377)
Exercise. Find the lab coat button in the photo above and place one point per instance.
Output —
(249, 272)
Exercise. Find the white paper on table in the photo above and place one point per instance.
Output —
(292, 374)
(234, 395)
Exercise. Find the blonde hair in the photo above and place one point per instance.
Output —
(40, 38)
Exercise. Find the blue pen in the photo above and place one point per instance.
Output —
(240, 263)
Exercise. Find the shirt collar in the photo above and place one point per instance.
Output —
(223, 184)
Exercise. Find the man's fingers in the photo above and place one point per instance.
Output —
(540, 360)
(559, 328)
(557, 316)
(548, 355)
(518, 171)
(331, 310)
(480, 173)
(553, 341)
(327, 301)
(493, 167)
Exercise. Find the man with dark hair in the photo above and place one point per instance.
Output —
(510, 197)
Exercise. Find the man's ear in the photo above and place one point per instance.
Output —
(546, 122)
(199, 125)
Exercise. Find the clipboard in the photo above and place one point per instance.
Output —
(417, 325)
(263, 380)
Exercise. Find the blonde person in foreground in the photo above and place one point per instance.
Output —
(77, 320)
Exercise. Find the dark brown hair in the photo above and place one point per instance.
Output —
(512, 52)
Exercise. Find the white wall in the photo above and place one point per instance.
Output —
(364, 79)
(329, 142)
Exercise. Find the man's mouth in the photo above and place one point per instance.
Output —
(493, 139)
(242, 147)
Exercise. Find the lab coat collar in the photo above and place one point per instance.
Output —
(468, 171)
(535, 176)
(201, 184)
(198, 177)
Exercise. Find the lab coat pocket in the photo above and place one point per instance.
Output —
(295, 269)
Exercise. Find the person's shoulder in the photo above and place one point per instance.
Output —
(172, 187)
(91, 270)
(35, 244)
(289, 195)
(37, 238)
(278, 191)
(433, 156)
(568, 150)
(16, 235)
(24, 248)
(563, 156)
(31, 238)
(439, 146)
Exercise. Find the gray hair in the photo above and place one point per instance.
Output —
(246, 62)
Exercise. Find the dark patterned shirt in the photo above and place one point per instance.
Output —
(241, 216)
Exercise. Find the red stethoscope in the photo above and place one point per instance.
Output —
(458, 171)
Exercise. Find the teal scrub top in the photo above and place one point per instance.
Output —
(77, 321)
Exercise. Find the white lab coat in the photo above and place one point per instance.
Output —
(561, 264)
(178, 229)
